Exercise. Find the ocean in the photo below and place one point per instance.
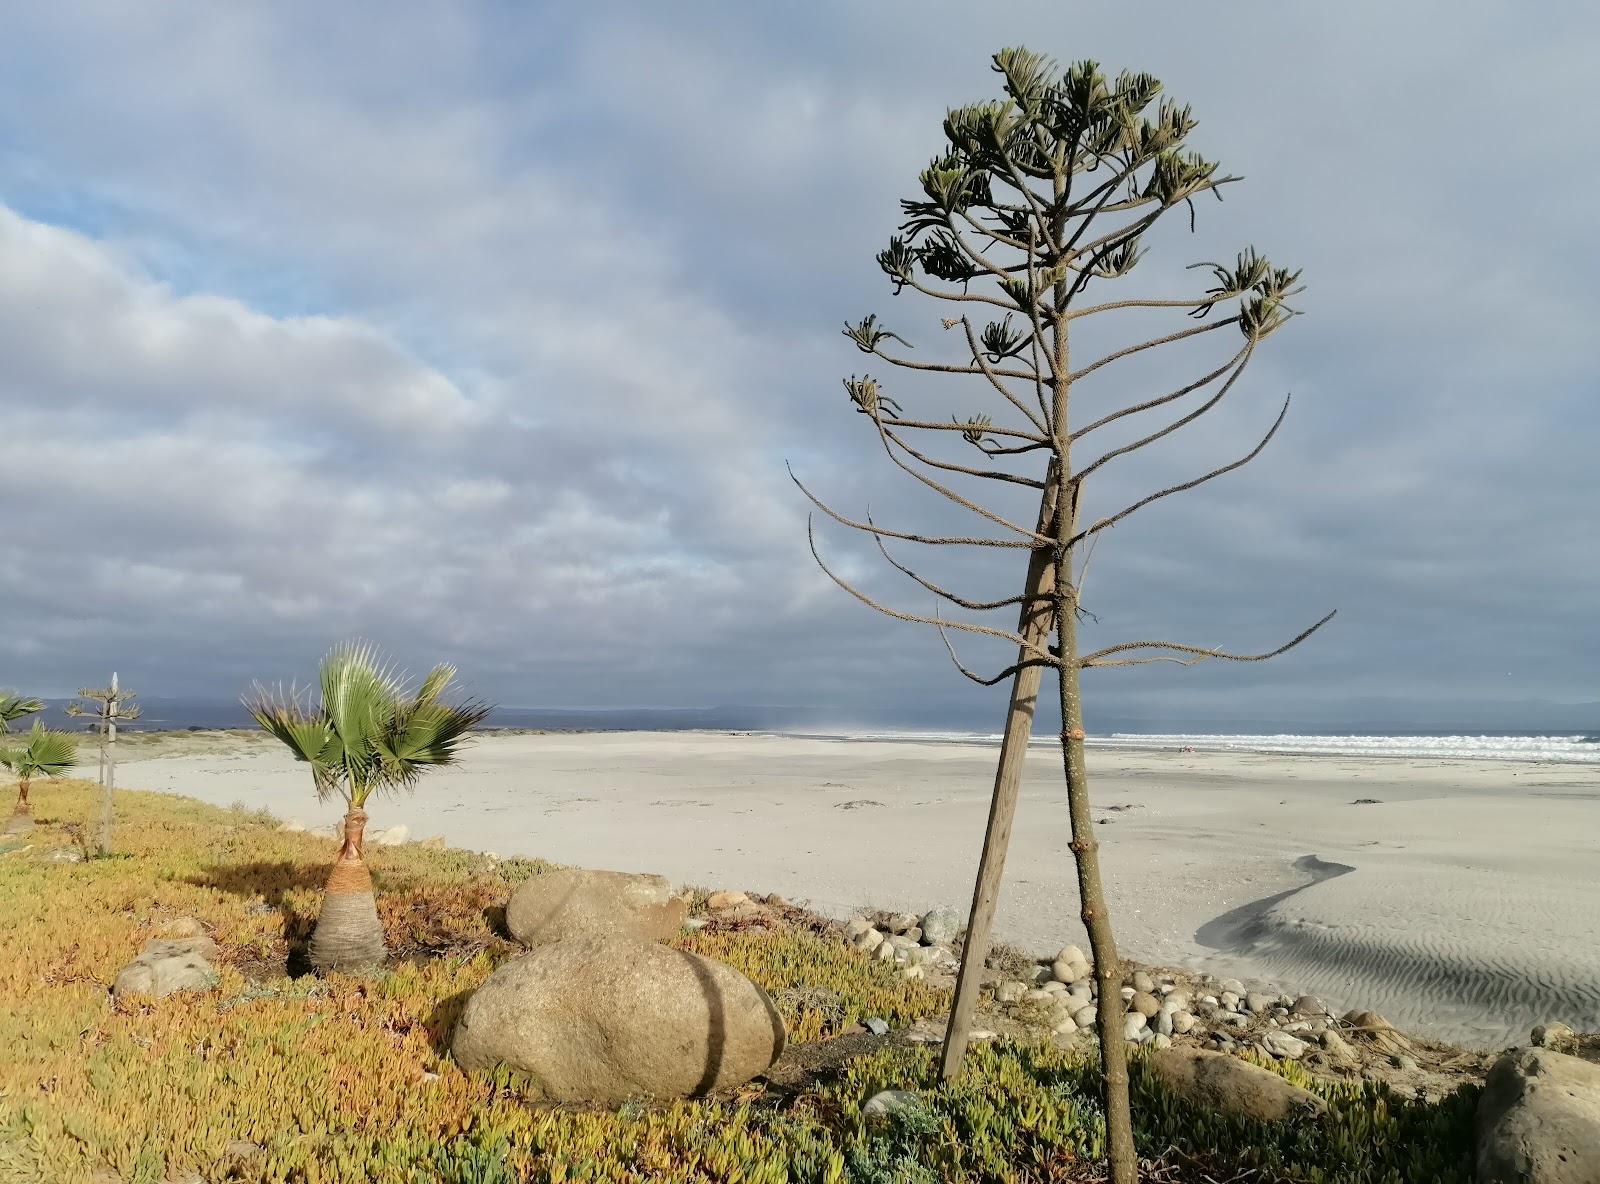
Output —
(1568, 748)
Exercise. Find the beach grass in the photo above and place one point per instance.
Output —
(273, 1077)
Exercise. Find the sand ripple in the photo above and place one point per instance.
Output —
(1460, 955)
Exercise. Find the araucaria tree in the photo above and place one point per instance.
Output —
(367, 734)
(1038, 202)
(46, 754)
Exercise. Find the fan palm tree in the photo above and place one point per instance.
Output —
(46, 754)
(368, 733)
(15, 706)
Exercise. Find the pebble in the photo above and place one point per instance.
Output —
(1055, 988)
(1011, 992)
(1133, 1024)
(1336, 1046)
(1128, 993)
(1555, 1035)
(1211, 999)
(1177, 1001)
(858, 927)
(1164, 1025)
(890, 1101)
(1160, 1041)
(884, 952)
(1401, 1061)
(1183, 1022)
(1071, 954)
(1309, 1005)
(1038, 995)
(726, 900)
(1284, 1046)
(1065, 1026)
(901, 922)
(875, 1025)
(1257, 1002)
(1229, 1000)
(940, 925)
(912, 972)
(1143, 982)
(1144, 1004)
(1086, 1016)
(913, 934)
(868, 941)
(1233, 986)
(1069, 972)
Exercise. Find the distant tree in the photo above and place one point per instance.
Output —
(105, 708)
(14, 706)
(1038, 199)
(46, 754)
(366, 734)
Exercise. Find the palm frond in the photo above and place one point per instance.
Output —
(46, 754)
(15, 706)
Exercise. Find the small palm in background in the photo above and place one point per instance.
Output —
(368, 733)
(46, 754)
(14, 706)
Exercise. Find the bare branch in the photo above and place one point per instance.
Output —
(1201, 654)
(1162, 399)
(1202, 302)
(1038, 540)
(993, 376)
(1151, 344)
(931, 540)
(1004, 674)
(936, 426)
(1181, 421)
(948, 368)
(1228, 468)
(1004, 635)
(977, 606)
(991, 474)
(969, 297)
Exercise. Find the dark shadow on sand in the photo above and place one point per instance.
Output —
(1237, 930)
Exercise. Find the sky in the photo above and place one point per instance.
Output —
(487, 331)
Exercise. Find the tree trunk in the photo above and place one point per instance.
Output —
(1034, 624)
(110, 778)
(21, 820)
(349, 935)
(1121, 1157)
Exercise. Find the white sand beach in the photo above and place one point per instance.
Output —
(1470, 912)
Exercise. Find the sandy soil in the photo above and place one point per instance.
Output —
(1463, 903)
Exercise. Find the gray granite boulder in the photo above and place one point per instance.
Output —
(166, 965)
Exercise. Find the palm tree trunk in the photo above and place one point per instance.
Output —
(21, 821)
(1121, 1157)
(349, 935)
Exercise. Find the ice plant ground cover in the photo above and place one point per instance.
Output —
(273, 1077)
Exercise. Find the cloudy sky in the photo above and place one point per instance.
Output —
(485, 330)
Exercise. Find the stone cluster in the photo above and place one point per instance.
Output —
(917, 944)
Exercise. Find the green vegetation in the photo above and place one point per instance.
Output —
(46, 754)
(14, 706)
(338, 1079)
(368, 734)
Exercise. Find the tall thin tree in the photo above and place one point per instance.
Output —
(106, 707)
(1038, 199)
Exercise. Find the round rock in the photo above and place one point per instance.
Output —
(606, 1019)
(940, 925)
(577, 902)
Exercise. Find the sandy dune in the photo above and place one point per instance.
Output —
(1470, 907)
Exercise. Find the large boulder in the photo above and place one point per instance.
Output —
(167, 965)
(1539, 1120)
(576, 902)
(1228, 1085)
(604, 1019)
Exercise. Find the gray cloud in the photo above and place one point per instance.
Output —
(489, 338)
